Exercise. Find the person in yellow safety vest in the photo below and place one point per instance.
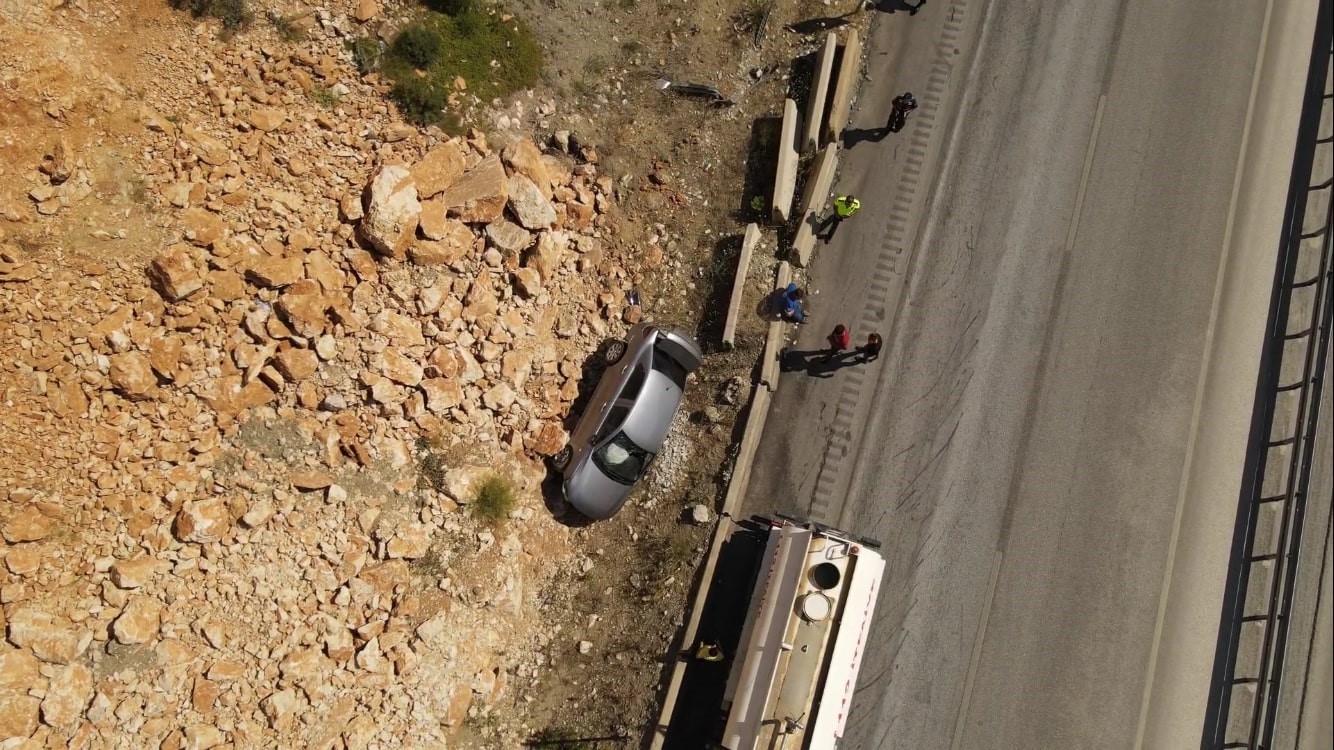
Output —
(709, 651)
(844, 207)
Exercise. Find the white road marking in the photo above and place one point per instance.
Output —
(1070, 237)
(977, 652)
(1203, 383)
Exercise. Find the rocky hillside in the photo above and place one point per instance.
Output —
(248, 408)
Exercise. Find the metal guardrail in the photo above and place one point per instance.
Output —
(1257, 607)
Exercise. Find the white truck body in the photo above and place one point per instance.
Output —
(795, 669)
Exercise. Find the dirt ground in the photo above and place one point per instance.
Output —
(688, 172)
(705, 163)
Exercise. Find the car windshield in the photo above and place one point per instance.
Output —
(621, 459)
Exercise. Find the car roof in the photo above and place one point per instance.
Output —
(653, 410)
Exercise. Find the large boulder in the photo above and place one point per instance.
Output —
(266, 120)
(480, 195)
(19, 673)
(456, 241)
(392, 211)
(435, 222)
(442, 394)
(202, 227)
(523, 157)
(67, 695)
(508, 237)
(366, 10)
(133, 573)
(174, 273)
(27, 525)
(305, 313)
(132, 374)
(203, 521)
(527, 282)
(276, 272)
(549, 254)
(52, 639)
(438, 170)
(529, 206)
(139, 622)
(461, 483)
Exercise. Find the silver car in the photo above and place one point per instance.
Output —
(627, 418)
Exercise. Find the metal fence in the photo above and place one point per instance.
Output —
(1267, 543)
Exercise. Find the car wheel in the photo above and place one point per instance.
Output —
(562, 458)
(615, 350)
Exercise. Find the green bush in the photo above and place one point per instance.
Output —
(452, 7)
(286, 27)
(419, 45)
(463, 45)
(366, 53)
(323, 96)
(495, 500)
(232, 13)
(421, 100)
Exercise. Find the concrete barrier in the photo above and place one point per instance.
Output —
(773, 343)
(824, 68)
(748, 244)
(812, 204)
(736, 492)
(845, 85)
(785, 177)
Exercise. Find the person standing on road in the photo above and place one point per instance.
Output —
(871, 349)
(839, 340)
(844, 207)
(898, 115)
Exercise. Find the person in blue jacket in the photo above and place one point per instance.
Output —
(790, 304)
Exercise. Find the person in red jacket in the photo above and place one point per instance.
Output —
(839, 340)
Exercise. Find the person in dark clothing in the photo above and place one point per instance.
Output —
(871, 349)
(902, 105)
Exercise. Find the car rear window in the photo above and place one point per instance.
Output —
(669, 367)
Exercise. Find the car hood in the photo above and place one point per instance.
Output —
(593, 493)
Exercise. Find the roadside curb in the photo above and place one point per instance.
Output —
(812, 200)
(757, 413)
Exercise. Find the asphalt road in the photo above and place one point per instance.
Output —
(1066, 251)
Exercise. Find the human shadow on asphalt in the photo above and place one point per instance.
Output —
(853, 136)
(817, 363)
